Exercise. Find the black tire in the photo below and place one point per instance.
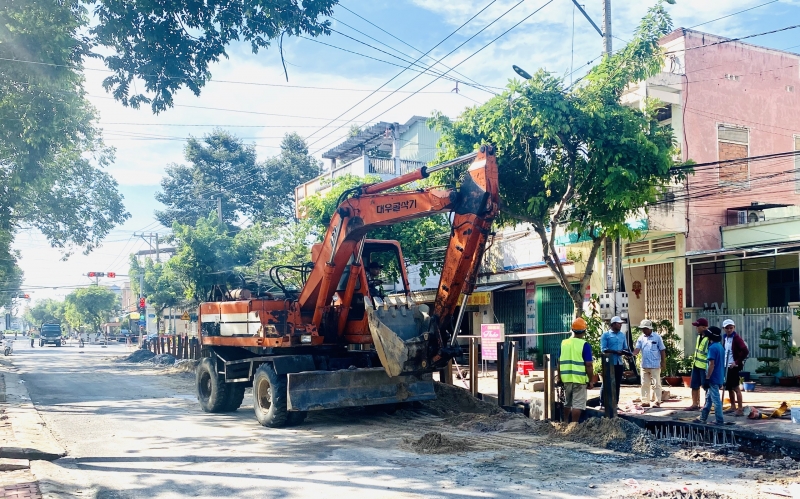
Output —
(41, 343)
(269, 397)
(212, 392)
(235, 396)
(296, 418)
(58, 344)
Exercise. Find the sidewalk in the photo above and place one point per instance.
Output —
(25, 441)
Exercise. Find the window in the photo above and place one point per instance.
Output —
(733, 143)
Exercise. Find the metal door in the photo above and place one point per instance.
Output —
(659, 291)
(509, 308)
(556, 314)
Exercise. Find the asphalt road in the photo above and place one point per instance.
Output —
(135, 431)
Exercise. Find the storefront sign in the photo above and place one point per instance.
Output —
(480, 298)
(530, 308)
(680, 306)
(491, 335)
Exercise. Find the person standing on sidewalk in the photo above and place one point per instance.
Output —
(715, 377)
(654, 359)
(736, 352)
(576, 370)
(699, 362)
(614, 344)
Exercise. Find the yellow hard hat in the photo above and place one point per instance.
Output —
(579, 325)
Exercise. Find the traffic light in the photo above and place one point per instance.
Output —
(142, 304)
(111, 275)
(92, 274)
(26, 296)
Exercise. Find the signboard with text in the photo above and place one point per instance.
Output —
(491, 335)
(530, 308)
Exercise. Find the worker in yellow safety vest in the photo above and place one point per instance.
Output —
(576, 370)
(699, 362)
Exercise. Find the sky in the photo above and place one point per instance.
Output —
(250, 97)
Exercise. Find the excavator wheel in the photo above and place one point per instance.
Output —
(212, 392)
(269, 397)
(235, 396)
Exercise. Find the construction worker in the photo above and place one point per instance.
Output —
(374, 270)
(736, 352)
(715, 377)
(654, 359)
(699, 362)
(614, 344)
(576, 370)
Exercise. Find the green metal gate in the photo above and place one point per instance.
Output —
(509, 308)
(555, 316)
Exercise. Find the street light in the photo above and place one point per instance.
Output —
(521, 72)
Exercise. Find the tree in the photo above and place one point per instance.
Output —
(51, 156)
(158, 285)
(208, 257)
(576, 159)
(420, 239)
(90, 306)
(222, 166)
(169, 45)
(47, 311)
(292, 167)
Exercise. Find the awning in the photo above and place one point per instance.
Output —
(496, 287)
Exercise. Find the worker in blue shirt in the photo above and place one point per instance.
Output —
(613, 345)
(715, 377)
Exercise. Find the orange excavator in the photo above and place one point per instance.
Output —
(341, 340)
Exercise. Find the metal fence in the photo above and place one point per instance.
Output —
(749, 324)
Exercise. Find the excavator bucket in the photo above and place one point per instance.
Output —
(400, 334)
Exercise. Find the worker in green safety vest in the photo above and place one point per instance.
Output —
(699, 362)
(576, 370)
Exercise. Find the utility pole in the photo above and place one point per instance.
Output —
(607, 27)
(219, 208)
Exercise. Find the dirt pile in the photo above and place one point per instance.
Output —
(675, 494)
(436, 443)
(500, 422)
(163, 359)
(454, 400)
(615, 434)
(736, 458)
(138, 356)
(184, 366)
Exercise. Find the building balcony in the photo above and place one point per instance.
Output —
(385, 168)
(759, 225)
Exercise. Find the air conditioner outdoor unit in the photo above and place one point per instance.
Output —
(750, 216)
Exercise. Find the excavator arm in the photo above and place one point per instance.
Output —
(407, 337)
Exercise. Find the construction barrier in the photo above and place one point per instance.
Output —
(180, 347)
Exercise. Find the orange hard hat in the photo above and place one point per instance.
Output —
(579, 324)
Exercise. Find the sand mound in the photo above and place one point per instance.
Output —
(436, 443)
(138, 356)
(500, 422)
(163, 359)
(676, 494)
(184, 366)
(454, 400)
(616, 434)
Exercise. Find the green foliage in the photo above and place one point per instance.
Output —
(222, 166)
(90, 306)
(771, 342)
(51, 156)
(46, 311)
(169, 45)
(686, 364)
(159, 286)
(789, 350)
(208, 255)
(672, 342)
(420, 239)
(595, 327)
(575, 159)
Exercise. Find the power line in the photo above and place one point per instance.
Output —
(402, 71)
(460, 63)
(730, 15)
(730, 40)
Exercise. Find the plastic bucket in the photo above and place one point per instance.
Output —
(524, 367)
(796, 415)
(749, 386)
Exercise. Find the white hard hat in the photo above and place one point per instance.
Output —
(616, 320)
(728, 322)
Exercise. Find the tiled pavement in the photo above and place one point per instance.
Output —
(19, 484)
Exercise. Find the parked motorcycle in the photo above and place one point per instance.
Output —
(8, 347)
